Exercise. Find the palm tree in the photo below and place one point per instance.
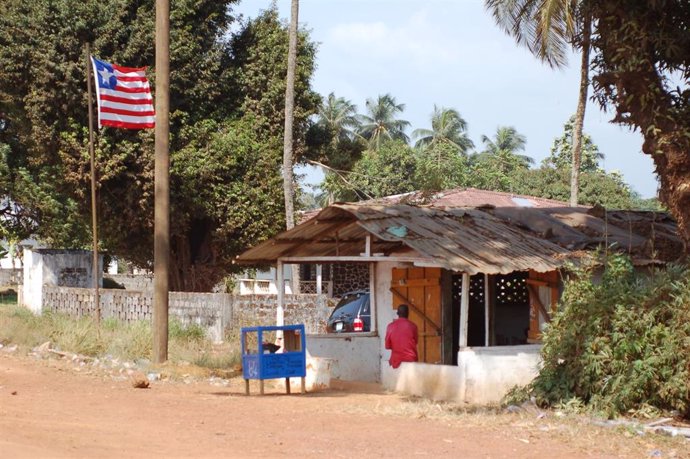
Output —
(504, 147)
(381, 122)
(338, 116)
(548, 28)
(288, 178)
(447, 127)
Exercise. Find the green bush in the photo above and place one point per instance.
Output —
(185, 332)
(620, 345)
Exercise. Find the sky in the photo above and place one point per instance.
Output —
(451, 53)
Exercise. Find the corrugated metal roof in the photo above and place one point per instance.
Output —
(458, 197)
(488, 240)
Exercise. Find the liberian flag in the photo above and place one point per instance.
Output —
(123, 95)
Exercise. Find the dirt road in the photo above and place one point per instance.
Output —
(49, 409)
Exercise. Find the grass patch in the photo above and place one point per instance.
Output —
(8, 297)
(187, 344)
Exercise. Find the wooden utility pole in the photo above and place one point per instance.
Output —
(94, 218)
(161, 237)
(288, 180)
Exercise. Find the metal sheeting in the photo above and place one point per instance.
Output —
(465, 240)
(491, 240)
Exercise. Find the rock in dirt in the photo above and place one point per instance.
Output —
(139, 380)
(43, 348)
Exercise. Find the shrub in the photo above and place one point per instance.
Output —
(620, 345)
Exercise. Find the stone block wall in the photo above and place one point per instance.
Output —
(217, 313)
(137, 282)
(256, 310)
(349, 277)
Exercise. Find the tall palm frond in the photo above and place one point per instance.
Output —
(546, 27)
(506, 142)
(447, 126)
(339, 116)
(381, 121)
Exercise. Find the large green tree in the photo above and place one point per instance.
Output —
(224, 91)
(440, 166)
(561, 156)
(494, 167)
(596, 187)
(389, 170)
(641, 69)
(332, 138)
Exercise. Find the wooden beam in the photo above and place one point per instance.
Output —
(417, 282)
(354, 259)
(302, 242)
(373, 298)
(319, 279)
(280, 285)
(541, 283)
(534, 296)
(486, 310)
(464, 309)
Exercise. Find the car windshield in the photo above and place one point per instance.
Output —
(350, 304)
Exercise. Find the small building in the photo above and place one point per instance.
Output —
(62, 268)
(480, 270)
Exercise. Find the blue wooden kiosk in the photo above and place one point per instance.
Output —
(266, 361)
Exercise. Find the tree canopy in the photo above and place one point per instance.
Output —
(641, 69)
(562, 151)
(225, 128)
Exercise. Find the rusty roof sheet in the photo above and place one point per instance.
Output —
(487, 239)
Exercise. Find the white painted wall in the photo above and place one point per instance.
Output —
(353, 358)
(483, 375)
(43, 267)
(33, 281)
(490, 372)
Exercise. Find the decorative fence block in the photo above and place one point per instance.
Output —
(217, 313)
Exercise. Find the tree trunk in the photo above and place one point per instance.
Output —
(580, 114)
(673, 169)
(287, 142)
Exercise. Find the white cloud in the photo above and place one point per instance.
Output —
(416, 40)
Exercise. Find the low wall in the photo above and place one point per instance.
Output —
(492, 371)
(11, 277)
(137, 282)
(483, 375)
(353, 358)
(215, 312)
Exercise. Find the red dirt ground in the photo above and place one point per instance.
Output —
(49, 409)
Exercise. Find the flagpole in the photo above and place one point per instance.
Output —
(94, 219)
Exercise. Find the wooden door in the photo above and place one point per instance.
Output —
(420, 288)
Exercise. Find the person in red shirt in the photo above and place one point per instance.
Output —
(401, 338)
